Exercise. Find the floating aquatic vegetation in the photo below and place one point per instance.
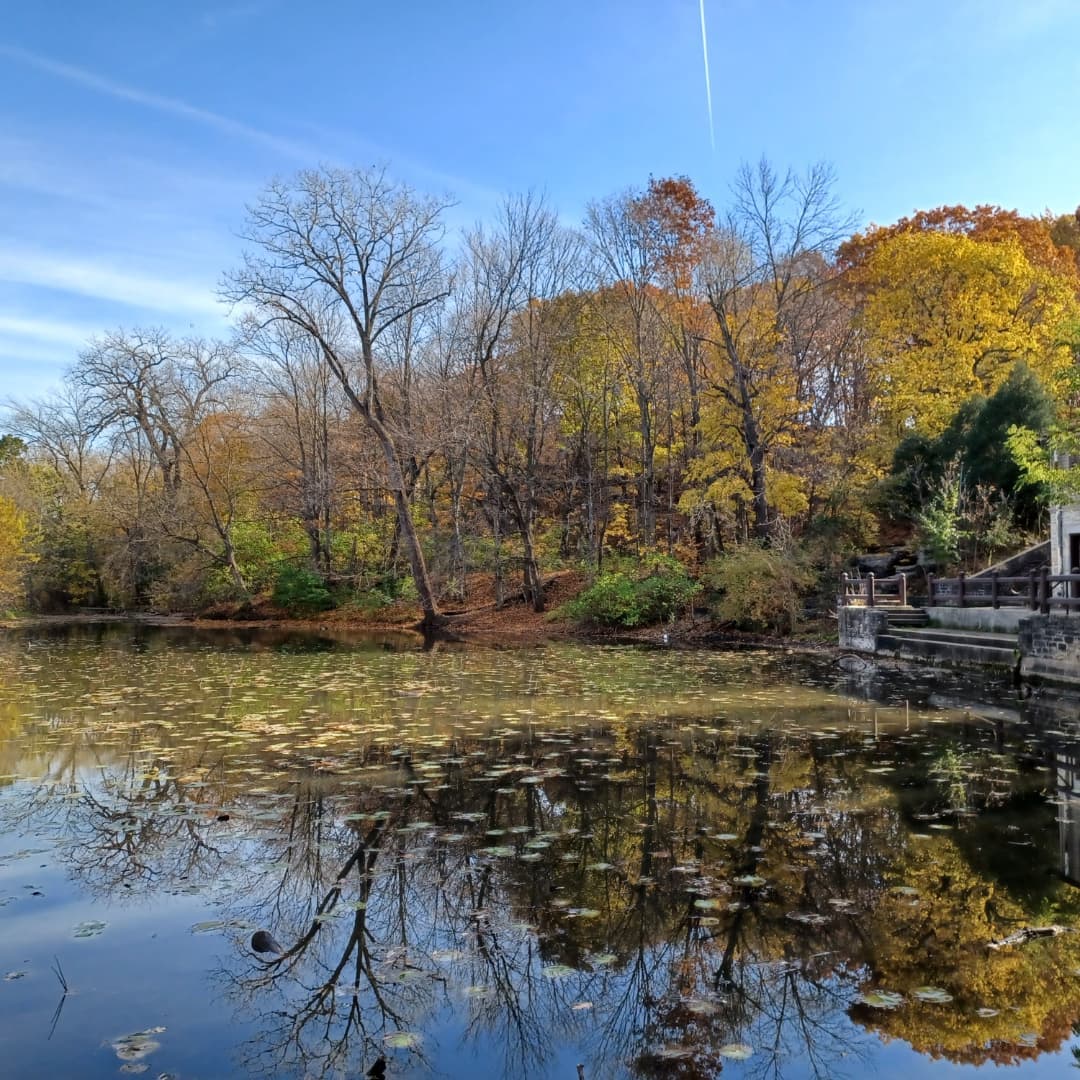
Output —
(137, 1045)
(89, 929)
(557, 971)
(401, 1040)
(881, 999)
(749, 881)
(736, 1051)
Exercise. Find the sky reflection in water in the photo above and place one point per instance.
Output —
(506, 862)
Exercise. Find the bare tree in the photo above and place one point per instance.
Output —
(296, 427)
(516, 316)
(146, 380)
(346, 257)
(65, 429)
(762, 281)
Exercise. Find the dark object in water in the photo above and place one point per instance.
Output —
(263, 941)
(378, 1070)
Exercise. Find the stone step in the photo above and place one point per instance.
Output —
(956, 651)
(955, 636)
(909, 617)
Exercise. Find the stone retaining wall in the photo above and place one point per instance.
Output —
(1050, 649)
(861, 626)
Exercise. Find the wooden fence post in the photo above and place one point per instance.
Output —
(903, 590)
(1033, 596)
(1044, 593)
(994, 590)
(960, 589)
(869, 590)
(843, 590)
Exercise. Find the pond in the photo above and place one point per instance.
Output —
(231, 854)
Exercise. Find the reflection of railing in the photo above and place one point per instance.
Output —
(870, 591)
(1040, 591)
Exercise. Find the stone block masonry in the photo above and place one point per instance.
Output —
(1050, 649)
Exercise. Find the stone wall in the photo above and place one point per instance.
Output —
(985, 620)
(1050, 649)
(861, 626)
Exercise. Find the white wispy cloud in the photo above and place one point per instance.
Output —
(89, 80)
(20, 329)
(104, 281)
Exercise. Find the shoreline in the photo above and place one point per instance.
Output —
(535, 630)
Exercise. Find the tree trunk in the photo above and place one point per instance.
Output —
(534, 588)
(647, 483)
(234, 570)
(757, 485)
(406, 531)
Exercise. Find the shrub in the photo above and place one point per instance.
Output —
(298, 589)
(940, 522)
(658, 590)
(758, 588)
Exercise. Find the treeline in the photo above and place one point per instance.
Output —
(398, 409)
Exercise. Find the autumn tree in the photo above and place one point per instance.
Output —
(948, 316)
(764, 277)
(345, 257)
(679, 226)
(1046, 242)
(627, 262)
(516, 315)
(296, 428)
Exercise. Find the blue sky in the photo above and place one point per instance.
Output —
(133, 132)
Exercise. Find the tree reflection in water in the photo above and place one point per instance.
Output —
(664, 896)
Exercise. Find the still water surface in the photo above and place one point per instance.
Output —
(484, 863)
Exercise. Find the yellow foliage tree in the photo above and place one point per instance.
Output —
(949, 316)
(13, 553)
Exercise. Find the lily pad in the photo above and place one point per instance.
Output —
(401, 1040)
(90, 928)
(446, 956)
(137, 1045)
(557, 971)
(700, 1007)
(212, 926)
(749, 881)
(736, 1051)
(881, 999)
(933, 994)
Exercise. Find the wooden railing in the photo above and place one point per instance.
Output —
(1038, 591)
(870, 591)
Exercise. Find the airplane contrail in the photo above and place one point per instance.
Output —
(708, 87)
